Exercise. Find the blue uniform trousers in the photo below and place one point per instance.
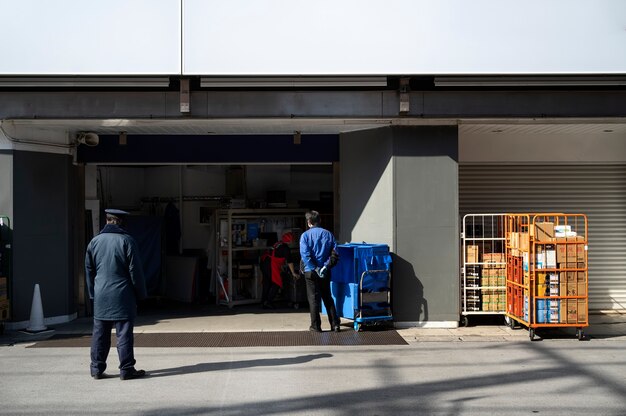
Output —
(101, 344)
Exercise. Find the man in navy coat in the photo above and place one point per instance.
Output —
(115, 282)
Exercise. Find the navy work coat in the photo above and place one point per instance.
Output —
(114, 274)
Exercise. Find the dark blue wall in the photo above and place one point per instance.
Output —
(234, 149)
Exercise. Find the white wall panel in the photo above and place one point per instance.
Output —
(95, 37)
(371, 37)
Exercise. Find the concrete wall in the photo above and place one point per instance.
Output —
(6, 183)
(399, 186)
(591, 143)
(44, 224)
(366, 187)
(426, 261)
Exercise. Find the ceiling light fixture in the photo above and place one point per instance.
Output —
(92, 82)
(290, 82)
(528, 81)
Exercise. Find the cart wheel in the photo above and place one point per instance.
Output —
(464, 321)
(511, 322)
(357, 326)
(580, 334)
(531, 334)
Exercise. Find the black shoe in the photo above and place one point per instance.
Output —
(98, 376)
(268, 305)
(337, 328)
(132, 374)
(314, 329)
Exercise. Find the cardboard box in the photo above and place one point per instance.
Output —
(582, 311)
(572, 311)
(561, 252)
(562, 228)
(568, 289)
(472, 255)
(581, 289)
(563, 307)
(514, 240)
(543, 232)
(524, 242)
(540, 259)
(555, 313)
(542, 289)
(493, 260)
(494, 272)
(550, 257)
(525, 261)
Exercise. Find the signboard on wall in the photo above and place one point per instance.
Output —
(96, 37)
(324, 37)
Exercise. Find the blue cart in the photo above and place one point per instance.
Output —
(361, 284)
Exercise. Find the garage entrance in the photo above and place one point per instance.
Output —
(181, 188)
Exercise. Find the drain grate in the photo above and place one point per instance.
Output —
(237, 339)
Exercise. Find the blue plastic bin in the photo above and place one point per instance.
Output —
(372, 263)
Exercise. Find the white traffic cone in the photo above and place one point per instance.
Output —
(36, 313)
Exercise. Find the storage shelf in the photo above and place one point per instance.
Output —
(230, 287)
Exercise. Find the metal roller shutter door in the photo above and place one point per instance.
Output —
(594, 190)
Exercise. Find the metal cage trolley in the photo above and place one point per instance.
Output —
(547, 279)
(483, 270)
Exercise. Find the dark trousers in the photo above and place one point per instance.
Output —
(101, 344)
(318, 289)
(269, 288)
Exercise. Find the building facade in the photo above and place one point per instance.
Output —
(410, 113)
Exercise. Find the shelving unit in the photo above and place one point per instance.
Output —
(240, 244)
(483, 269)
(547, 274)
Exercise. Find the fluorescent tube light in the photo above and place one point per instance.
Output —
(274, 82)
(145, 82)
(529, 81)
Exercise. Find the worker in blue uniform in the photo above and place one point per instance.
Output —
(115, 283)
(316, 247)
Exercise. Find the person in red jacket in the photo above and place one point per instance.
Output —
(273, 265)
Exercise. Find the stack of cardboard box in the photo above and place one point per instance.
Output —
(493, 280)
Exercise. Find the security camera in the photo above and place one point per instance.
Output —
(87, 138)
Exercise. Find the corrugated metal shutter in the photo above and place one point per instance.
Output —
(597, 191)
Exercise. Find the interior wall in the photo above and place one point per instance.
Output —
(124, 187)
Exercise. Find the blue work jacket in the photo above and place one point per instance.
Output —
(315, 246)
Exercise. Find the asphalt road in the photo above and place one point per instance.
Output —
(516, 377)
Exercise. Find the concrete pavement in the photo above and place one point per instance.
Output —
(479, 370)
(557, 377)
